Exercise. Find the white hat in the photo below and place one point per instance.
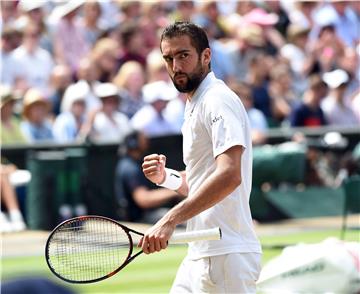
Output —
(28, 5)
(74, 92)
(335, 78)
(103, 90)
(159, 90)
(64, 9)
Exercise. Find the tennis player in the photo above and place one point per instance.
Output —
(217, 153)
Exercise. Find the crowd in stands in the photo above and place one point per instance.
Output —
(73, 71)
(93, 69)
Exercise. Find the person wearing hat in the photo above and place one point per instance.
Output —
(10, 134)
(10, 126)
(108, 124)
(150, 119)
(36, 125)
(68, 124)
(336, 110)
(69, 40)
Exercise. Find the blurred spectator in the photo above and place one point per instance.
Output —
(309, 113)
(109, 125)
(32, 65)
(130, 79)
(248, 43)
(69, 122)
(13, 221)
(35, 12)
(88, 75)
(9, 13)
(91, 22)
(258, 122)
(105, 57)
(132, 43)
(184, 11)
(283, 22)
(60, 79)
(174, 112)
(10, 125)
(283, 96)
(257, 79)
(131, 10)
(345, 20)
(69, 38)
(273, 39)
(337, 112)
(36, 125)
(139, 199)
(156, 69)
(302, 15)
(302, 62)
(10, 39)
(150, 118)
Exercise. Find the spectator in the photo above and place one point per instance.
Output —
(109, 125)
(60, 79)
(88, 74)
(35, 12)
(257, 119)
(184, 11)
(150, 118)
(277, 8)
(13, 221)
(283, 97)
(32, 64)
(10, 126)
(139, 200)
(130, 79)
(257, 79)
(132, 42)
(335, 108)
(91, 23)
(309, 113)
(69, 122)
(36, 125)
(69, 39)
(105, 57)
(156, 69)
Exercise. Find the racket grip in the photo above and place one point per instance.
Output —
(201, 235)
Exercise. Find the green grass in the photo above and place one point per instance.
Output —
(153, 273)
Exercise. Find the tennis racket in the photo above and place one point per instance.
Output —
(91, 248)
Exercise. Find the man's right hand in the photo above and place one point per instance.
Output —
(154, 168)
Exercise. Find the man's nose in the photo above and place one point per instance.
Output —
(176, 66)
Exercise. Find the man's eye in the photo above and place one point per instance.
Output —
(184, 55)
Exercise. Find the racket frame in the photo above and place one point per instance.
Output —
(128, 259)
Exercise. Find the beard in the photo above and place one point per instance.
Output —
(193, 79)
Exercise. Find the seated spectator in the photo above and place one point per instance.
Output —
(60, 79)
(108, 124)
(68, 124)
(150, 118)
(257, 119)
(10, 125)
(36, 125)
(283, 96)
(13, 221)
(69, 40)
(139, 200)
(336, 110)
(130, 80)
(309, 113)
(32, 65)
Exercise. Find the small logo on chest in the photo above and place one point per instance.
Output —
(216, 119)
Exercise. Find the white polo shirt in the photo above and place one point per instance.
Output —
(215, 120)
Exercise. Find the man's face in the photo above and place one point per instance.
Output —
(185, 67)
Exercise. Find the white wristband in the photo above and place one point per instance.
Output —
(173, 179)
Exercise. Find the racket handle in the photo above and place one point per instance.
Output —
(201, 235)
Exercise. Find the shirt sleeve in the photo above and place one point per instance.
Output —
(225, 121)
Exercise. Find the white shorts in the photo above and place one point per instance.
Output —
(230, 273)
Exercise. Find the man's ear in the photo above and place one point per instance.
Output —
(206, 56)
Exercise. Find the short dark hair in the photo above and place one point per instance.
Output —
(196, 34)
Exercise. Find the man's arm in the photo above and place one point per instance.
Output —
(224, 180)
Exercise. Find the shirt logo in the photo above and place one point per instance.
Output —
(216, 119)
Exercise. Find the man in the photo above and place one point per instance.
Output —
(139, 200)
(217, 152)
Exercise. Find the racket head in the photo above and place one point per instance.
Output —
(88, 249)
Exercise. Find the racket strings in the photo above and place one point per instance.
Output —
(89, 249)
